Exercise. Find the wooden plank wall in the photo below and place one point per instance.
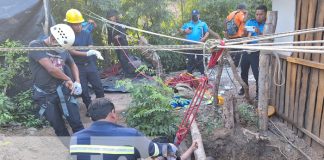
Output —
(299, 102)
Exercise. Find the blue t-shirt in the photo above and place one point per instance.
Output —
(198, 30)
(89, 27)
(255, 23)
(84, 38)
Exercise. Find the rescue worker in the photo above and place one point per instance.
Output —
(86, 60)
(105, 139)
(53, 90)
(254, 27)
(195, 30)
(117, 37)
(234, 28)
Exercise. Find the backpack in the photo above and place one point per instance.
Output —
(231, 27)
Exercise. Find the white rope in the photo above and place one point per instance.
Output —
(144, 31)
(284, 43)
(270, 48)
(282, 34)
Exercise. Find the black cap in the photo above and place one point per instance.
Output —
(100, 108)
(241, 6)
(111, 13)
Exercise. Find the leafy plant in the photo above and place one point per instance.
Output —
(12, 64)
(150, 111)
(248, 114)
(19, 108)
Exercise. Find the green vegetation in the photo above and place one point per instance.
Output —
(150, 110)
(248, 114)
(19, 108)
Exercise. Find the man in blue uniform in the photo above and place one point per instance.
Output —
(195, 30)
(85, 60)
(254, 27)
(105, 139)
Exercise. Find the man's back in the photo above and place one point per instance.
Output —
(108, 141)
(239, 21)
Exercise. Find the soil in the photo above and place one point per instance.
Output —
(21, 143)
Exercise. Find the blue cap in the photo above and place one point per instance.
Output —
(195, 12)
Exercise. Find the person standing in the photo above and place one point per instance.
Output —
(53, 90)
(86, 60)
(234, 28)
(195, 30)
(254, 27)
(117, 37)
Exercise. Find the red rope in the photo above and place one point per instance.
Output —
(191, 111)
(140, 73)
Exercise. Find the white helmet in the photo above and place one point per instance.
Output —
(63, 34)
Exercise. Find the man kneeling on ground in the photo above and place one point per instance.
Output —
(105, 139)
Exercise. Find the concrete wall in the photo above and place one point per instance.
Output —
(286, 18)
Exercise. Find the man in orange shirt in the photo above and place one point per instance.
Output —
(234, 27)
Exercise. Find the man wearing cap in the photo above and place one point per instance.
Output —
(117, 37)
(105, 139)
(53, 90)
(195, 30)
(86, 60)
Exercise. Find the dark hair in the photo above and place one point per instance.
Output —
(262, 7)
(241, 6)
(100, 108)
(111, 13)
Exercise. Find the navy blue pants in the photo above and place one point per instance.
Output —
(194, 62)
(89, 74)
(250, 60)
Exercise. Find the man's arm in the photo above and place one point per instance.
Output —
(75, 72)
(55, 72)
(78, 53)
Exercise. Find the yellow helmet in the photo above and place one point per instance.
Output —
(73, 16)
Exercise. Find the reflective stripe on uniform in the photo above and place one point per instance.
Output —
(156, 150)
(102, 149)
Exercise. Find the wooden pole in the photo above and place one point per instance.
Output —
(196, 136)
(220, 67)
(264, 78)
(238, 78)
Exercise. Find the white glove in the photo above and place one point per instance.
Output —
(96, 53)
(77, 89)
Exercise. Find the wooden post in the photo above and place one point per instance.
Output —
(264, 65)
(220, 67)
(238, 78)
(46, 23)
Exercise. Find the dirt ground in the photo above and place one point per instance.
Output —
(20, 143)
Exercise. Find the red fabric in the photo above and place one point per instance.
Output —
(215, 56)
(183, 78)
(111, 71)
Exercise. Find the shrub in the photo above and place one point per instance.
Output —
(150, 111)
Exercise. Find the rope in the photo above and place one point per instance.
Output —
(271, 48)
(284, 43)
(155, 47)
(272, 36)
(141, 30)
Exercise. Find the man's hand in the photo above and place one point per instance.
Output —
(117, 37)
(77, 89)
(92, 22)
(203, 39)
(194, 145)
(187, 31)
(96, 53)
(69, 84)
